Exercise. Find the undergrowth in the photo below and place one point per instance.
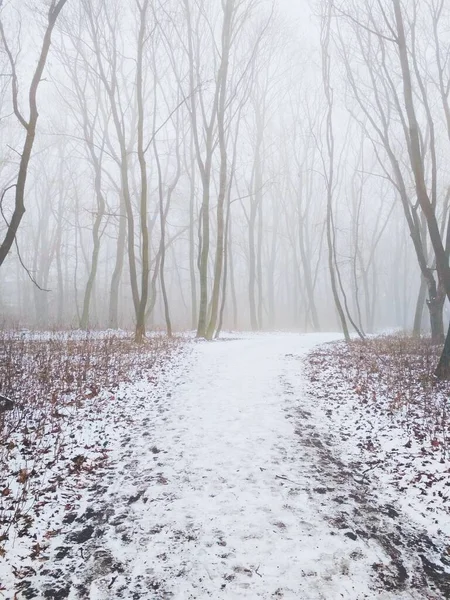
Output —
(51, 378)
(393, 374)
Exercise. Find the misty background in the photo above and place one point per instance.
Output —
(236, 164)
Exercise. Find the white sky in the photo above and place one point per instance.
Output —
(296, 8)
(300, 11)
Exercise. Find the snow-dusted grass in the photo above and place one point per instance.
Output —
(393, 416)
(62, 385)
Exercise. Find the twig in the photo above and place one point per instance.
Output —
(286, 479)
(363, 474)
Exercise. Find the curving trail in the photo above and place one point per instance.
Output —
(223, 486)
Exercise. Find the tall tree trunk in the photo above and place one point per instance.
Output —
(162, 250)
(192, 271)
(252, 267)
(232, 277)
(223, 78)
(113, 319)
(418, 313)
(84, 321)
(145, 259)
(326, 74)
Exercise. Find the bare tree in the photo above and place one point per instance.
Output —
(29, 123)
(329, 161)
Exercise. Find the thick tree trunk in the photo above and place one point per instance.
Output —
(435, 305)
(443, 369)
(418, 313)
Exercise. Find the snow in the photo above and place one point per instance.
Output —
(405, 468)
(222, 482)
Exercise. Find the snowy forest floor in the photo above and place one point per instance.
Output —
(257, 466)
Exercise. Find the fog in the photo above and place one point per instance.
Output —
(242, 164)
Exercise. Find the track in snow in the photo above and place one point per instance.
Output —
(220, 488)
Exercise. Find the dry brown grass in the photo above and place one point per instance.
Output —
(395, 374)
(51, 377)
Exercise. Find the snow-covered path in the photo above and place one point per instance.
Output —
(231, 524)
(216, 490)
